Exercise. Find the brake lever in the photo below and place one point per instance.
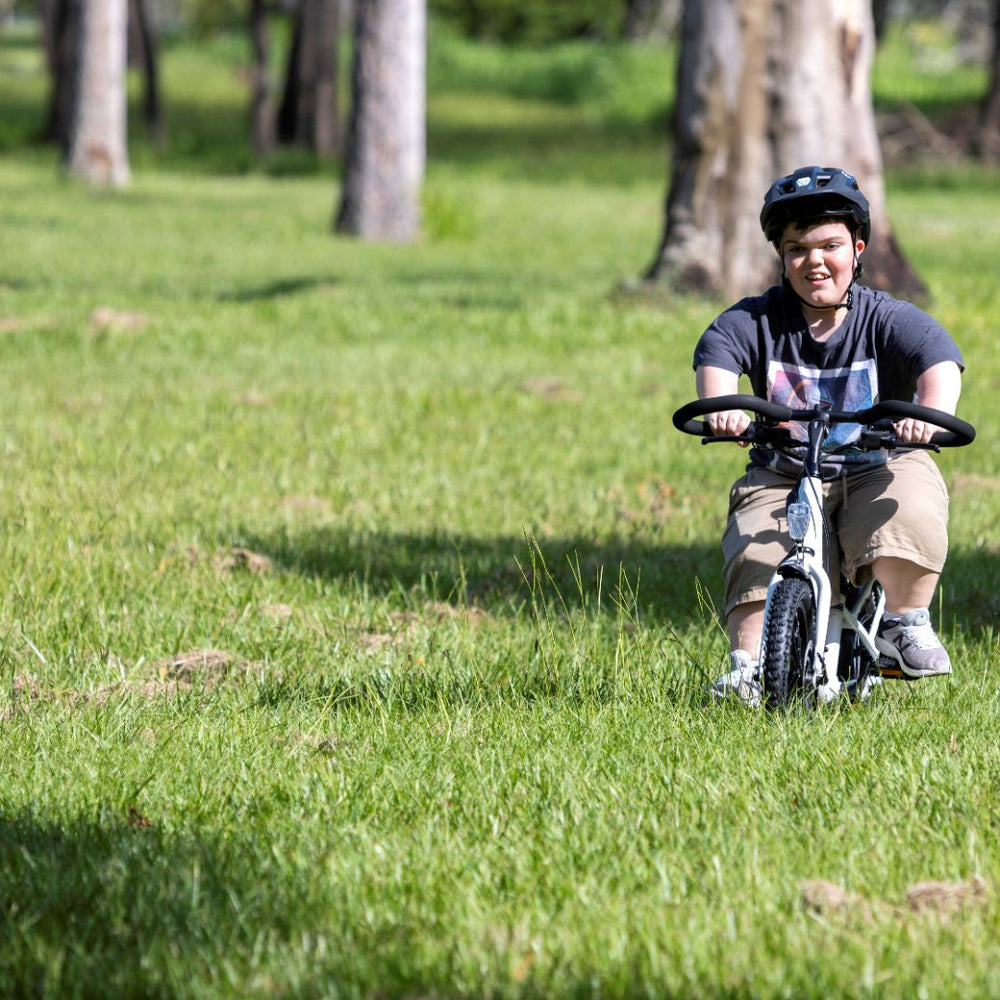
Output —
(762, 435)
(874, 440)
(738, 438)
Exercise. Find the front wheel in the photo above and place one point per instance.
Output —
(790, 644)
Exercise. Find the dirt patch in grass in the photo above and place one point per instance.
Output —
(204, 669)
(554, 389)
(405, 625)
(243, 559)
(236, 559)
(209, 665)
(946, 897)
(318, 506)
(931, 898)
(278, 612)
(105, 319)
(328, 746)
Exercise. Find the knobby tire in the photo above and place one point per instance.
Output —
(790, 644)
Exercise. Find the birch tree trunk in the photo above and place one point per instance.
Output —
(98, 152)
(386, 142)
(764, 87)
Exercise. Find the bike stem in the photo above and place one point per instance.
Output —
(818, 428)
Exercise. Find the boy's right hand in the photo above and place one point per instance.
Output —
(729, 423)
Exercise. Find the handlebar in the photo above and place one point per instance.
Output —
(955, 434)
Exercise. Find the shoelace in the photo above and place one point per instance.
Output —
(922, 636)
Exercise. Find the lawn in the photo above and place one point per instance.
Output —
(357, 601)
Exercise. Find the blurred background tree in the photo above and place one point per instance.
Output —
(296, 51)
(762, 89)
(386, 147)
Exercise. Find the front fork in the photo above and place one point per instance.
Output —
(805, 561)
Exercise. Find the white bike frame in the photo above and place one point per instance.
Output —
(807, 527)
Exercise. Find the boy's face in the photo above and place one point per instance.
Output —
(820, 260)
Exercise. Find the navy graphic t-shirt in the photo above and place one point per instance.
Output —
(877, 353)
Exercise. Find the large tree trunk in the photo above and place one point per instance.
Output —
(261, 112)
(97, 151)
(309, 114)
(386, 141)
(143, 52)
(764, 87)
(60, 31)
(987, 140)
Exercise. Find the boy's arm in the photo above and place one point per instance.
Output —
(939, 387)
(712, 381)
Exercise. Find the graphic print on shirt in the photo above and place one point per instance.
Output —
(800, 388)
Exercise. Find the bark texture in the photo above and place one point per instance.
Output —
(97, 150)
(764, 87)
(60, 31)
(309, 114)
(386, 141)
(261, 104)
(987, 141)
(143, 52)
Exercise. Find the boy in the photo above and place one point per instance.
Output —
(820, 335)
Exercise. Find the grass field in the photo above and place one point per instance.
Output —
(356, 601)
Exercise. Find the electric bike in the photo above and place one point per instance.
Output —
(818, 641)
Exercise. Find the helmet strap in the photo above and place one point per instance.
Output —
(846, 303)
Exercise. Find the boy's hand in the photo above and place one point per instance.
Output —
(912, 431)
(729, 423)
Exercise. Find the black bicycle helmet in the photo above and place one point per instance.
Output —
(810, 193)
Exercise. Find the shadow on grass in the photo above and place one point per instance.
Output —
(503, 574)
(971, 589)
(93, 910)
(276, 289)
(102, 908)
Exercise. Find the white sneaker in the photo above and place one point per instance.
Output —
(911, 642)
(742, 681)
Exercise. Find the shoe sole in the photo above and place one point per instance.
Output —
(897, 670)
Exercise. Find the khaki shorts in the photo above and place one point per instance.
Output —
(899, 509)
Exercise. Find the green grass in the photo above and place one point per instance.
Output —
(447, 735)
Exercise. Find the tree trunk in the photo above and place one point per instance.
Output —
(142, 51)
(60, 31)
(987, 141)
(98, 152)
(881, 14)
(261, 114)
(386, 141)
(764, 87)
(645, 19)
(309, 114)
